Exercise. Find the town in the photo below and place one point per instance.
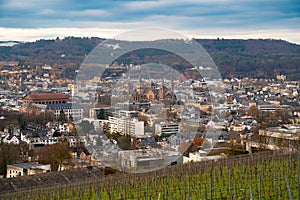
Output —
(52, 124)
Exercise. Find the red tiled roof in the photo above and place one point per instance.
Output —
(46, 96)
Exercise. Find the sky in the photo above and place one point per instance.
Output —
(29, 20)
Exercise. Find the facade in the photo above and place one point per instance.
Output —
(23, 169)
(286, 136)
(100, 113)
(127, 126)
(11, 139)
(43, 140)
(282, 137)
(201, 156)
(55, 102)
(147, 159)
(70, 109)
(166, 128)
(237, 127)
(288, 132)
(73, 141)
(125, 114)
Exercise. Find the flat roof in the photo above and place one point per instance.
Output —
(27, 165)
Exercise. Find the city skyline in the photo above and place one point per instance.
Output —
(32, 20)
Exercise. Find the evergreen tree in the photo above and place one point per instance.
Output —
(62, 117)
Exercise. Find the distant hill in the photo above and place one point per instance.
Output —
(256, 58)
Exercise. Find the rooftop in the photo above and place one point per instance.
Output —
(46, 96)
(27, 165)
(60, 106)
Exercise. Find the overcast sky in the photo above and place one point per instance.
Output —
(28, 20)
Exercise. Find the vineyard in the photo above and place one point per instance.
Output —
(266, 175)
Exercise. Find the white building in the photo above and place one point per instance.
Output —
(23, 169)
(201, 156)
(166, 128)
(147, 159)
(11, 139)
(126, 125)
(125, 113)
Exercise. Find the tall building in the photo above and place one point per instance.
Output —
(124, 122)
(126, 126)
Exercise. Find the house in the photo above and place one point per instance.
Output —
(237, 127)
(11, 139)
(23, 169)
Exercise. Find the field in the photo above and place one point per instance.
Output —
(267, 175)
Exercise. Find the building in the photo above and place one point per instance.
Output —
(125, 122)
(288, 131)
(237, 127)
(11, 139)
(73, 110)
(147, 159)
(282, 137)
(125, 113)
(55, 102)
(41, 141)
(163, 129)
(201, 156)
(23, 169)
(100, 113)
(127, 126)
(273, 108)
(46, 98)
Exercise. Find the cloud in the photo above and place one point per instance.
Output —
(89, 13)
(146, 5)
(31, 34)
(223, 15)
(22, 34)
(47, 12)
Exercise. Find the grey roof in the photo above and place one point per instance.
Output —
(27, 165)
(61, 106)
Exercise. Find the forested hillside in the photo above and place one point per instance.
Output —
(260, 58)
(256, 58)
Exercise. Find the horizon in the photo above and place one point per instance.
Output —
(33, 20)
(99, 37)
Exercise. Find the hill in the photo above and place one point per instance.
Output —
(256, 58)
(265, 175)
